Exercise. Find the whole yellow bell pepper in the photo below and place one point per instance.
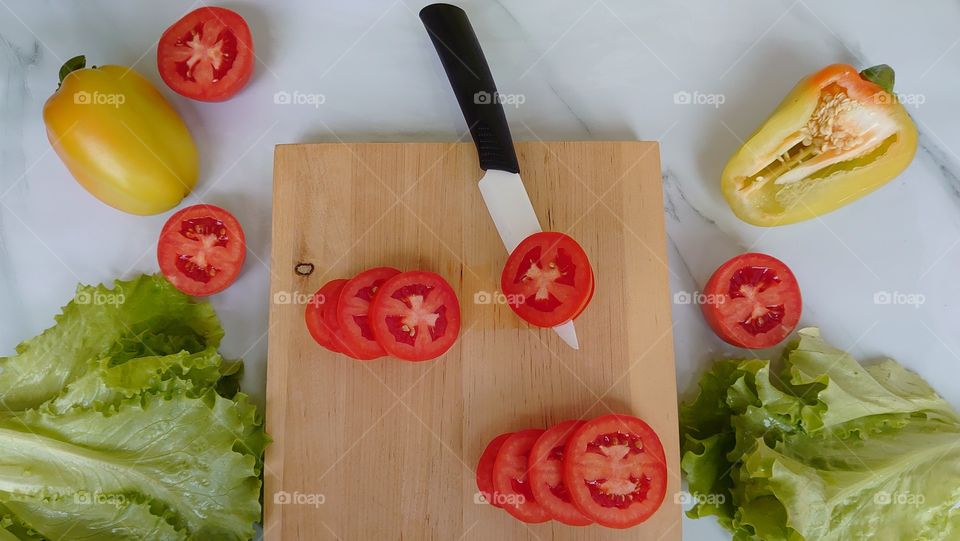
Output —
(120, 138)
(836, 137)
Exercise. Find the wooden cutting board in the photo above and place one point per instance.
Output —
(387, 449)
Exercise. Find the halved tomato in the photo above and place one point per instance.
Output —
(485, 470)
(752, 301)
(547, 279)
(353, 312)
(321, 315)
(416, 316)
(201, 250)
(546, 474)
(615, 470)
(510, 481)
(207, 55)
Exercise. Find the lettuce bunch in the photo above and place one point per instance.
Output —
(123, 422)
(826, 449)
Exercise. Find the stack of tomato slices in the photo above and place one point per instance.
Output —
(548, 279)
(413, 316)
(610, 471)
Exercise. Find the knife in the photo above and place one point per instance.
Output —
(501, 186)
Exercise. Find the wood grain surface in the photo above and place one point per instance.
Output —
(387, 449)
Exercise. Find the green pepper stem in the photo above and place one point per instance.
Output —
(76, 63)
(881, 75)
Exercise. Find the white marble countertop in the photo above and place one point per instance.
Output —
(603, 69)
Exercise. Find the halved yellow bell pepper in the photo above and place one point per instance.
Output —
(120, 138)
(836, 137)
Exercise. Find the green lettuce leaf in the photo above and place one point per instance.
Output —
(828, 450)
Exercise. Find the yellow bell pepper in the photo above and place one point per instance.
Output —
(836, 137)
(120, 138)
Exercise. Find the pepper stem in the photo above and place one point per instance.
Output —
(76, 63)
(881, 75)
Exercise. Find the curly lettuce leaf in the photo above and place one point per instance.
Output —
(829, 450)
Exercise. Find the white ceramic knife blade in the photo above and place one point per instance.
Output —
(513, 214)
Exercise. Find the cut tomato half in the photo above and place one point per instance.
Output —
(752, 301)
(547, 279)
(485, 470)
(510, 481)
(615, 470)
(546, 475)
(416, 316)
(353, 313)
(201, 250)
(321, 315)
(207, 55)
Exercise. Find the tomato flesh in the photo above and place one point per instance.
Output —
(546, 475)
(756, 301)
(201, 250)
(207, 55)
(353, 313)
(510, 479)
(485, 470)
(615, 470)
(548, 279)
(321, 318)
(416, 316)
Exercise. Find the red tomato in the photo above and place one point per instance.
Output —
(615, 470)
(201, 250)
(510, 481)
(321, 315)
(752, 301)
(353, 312)
(546, 474)
(485, 470)
(416, 316)
(207, 55)
(547, 279)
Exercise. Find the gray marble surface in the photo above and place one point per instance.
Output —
(604, 69)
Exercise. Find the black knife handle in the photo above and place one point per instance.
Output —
(472, 83)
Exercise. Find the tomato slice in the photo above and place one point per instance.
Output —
(353, 313)
(548, 279)
(416, 316)
(207, 55)
(485, 470)
(510, 482)
(321, 315)
(752, 301)
(546, 474)
(201, 250)
(615, 470)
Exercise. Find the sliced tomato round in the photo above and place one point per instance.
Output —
(752, 301)
(416, 316)
(485, 470)
(547, 279)
(615, 470)
(353, 313)
(207, 55)
(321, 317)
(201, 250)
(511, 484)
(546, 475)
